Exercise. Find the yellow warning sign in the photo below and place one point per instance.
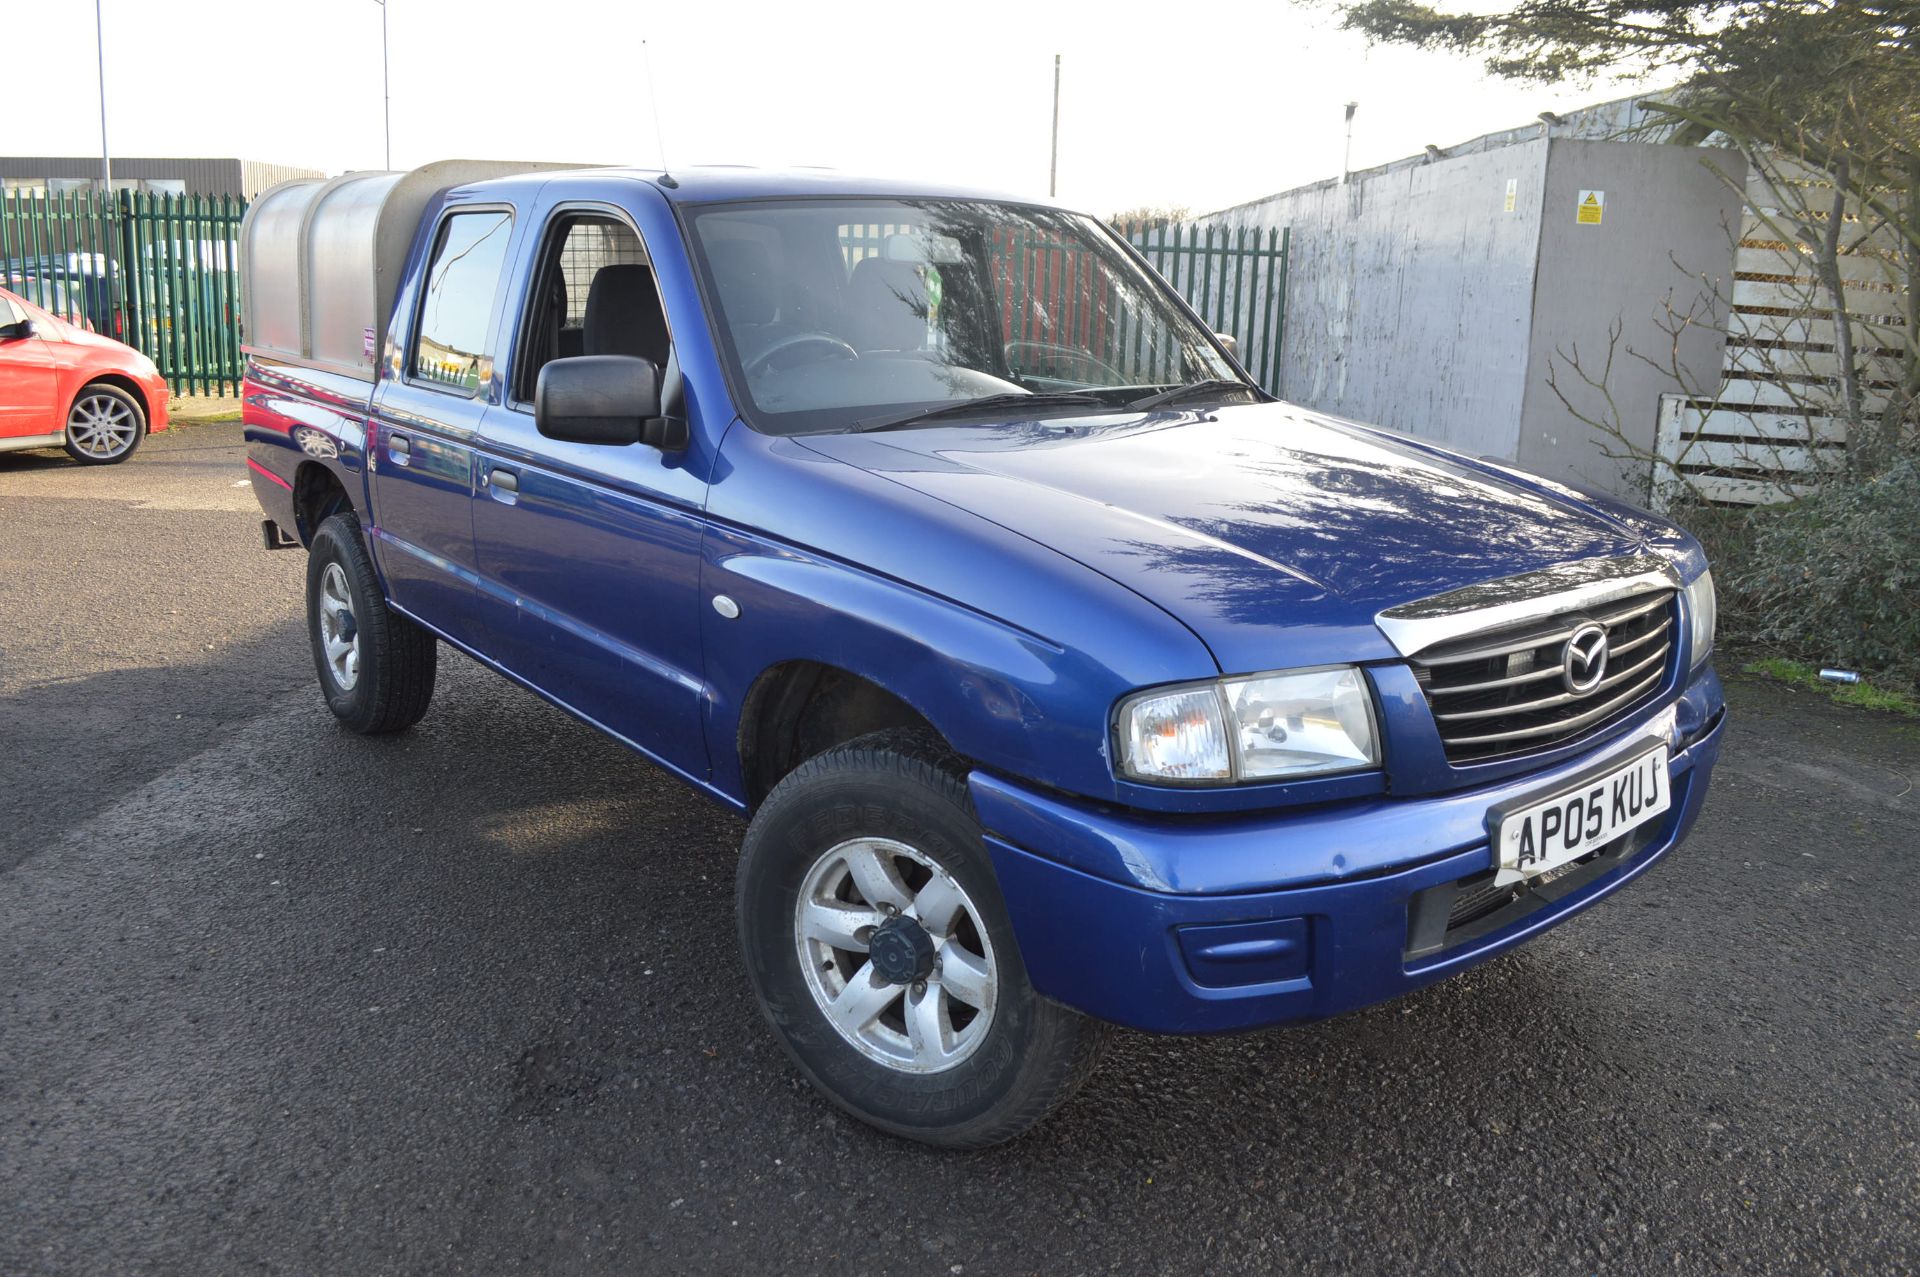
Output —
(1592, 205)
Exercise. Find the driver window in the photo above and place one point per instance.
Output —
(593, 294)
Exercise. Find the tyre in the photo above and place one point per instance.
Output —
(881, 953)
(105, 425)
(376, 667)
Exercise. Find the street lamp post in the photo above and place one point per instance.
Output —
(1346, 156)
(1053, 164)
(386, 89)
(100, 50)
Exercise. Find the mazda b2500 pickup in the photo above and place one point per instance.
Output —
(1067, 677)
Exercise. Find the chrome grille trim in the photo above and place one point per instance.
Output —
(1548, 702)
(1517, 600)
(1564, 726)
(1528, 640)
(1529, 677)
(1532, 676)
(1666, 627)
(1492, 692)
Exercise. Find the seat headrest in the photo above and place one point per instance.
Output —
(744, 274)
(887, 301)
(624, 316)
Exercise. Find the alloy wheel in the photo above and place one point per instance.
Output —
(102, 427)
(895, 955)
(339, 635)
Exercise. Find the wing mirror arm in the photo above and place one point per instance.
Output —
(669, 434)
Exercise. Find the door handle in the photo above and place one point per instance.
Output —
(503, 481)
(400, 448)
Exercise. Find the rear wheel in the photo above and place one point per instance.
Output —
(882, 954)
(104, 425)
(376, 667)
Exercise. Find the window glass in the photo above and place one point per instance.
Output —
(582, 252)
(463, 278)
(590, 246)
(840, 313)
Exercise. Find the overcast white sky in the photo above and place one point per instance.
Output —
(1195, 104)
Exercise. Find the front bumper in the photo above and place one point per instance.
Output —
(158, 399)
(1203, 926)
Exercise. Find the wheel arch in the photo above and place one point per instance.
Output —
(318, 492)
(119, 381)
(798, 709)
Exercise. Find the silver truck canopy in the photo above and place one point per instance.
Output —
(320, 260)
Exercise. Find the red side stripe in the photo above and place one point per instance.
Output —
(257, 468)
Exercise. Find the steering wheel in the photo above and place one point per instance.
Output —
(793, 341)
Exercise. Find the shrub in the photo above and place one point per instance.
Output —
(1833, 579)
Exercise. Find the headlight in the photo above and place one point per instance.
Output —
(1257, 728)
(1702, 614)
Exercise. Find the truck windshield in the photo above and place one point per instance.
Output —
(843, 313)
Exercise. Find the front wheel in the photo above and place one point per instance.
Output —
(104, 425)
(881, 952)
(376, 667)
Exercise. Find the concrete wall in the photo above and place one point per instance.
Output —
(1416, 299)
(1408, 292)
(1666, 239)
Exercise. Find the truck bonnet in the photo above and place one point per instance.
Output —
(1273, 533)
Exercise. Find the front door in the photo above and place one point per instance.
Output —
(420, 441)
(590, 554)
(27, 381)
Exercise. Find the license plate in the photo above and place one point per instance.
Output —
(1549, 832)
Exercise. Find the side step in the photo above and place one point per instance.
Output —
(275, 539)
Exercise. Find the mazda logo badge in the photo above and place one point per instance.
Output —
(1584, 662)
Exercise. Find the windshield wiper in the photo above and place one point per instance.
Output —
(984, 403)
(1193, 389)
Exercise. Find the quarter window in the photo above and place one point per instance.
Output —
(449, 347)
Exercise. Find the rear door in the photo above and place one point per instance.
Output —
(425, 422)
(27, 379)
(591, 553)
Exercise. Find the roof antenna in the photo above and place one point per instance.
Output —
(659, 136)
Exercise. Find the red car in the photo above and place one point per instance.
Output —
(62, 386)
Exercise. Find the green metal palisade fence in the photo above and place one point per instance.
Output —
(158, 272)
(1234, 277)
(155, 271)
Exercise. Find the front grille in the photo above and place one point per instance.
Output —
(1499, 693)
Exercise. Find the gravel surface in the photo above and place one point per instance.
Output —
(274, 998)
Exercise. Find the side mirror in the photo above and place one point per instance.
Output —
(20, 332)
(1231, 342)
(610, 399)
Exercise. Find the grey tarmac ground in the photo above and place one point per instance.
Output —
(276, 999)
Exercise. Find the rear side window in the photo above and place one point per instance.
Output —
(463, 278)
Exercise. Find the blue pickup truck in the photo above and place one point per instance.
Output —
(1067, 677)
